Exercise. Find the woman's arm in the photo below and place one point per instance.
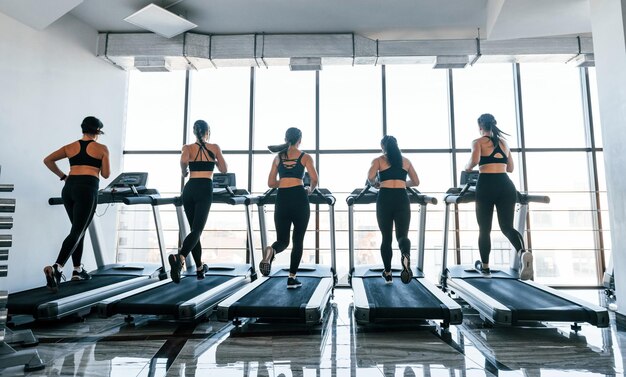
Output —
(221, 163)
(52, 158)
(184, 161)
(272, 179)
(310, 168)
(371, 174)
(509, 161)
(474, 157)
(105, 170)
(413, 178)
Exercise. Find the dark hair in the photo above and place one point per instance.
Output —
(92, 125)
(292, 136)
(201, 129)
(488, 123)
(393, 153)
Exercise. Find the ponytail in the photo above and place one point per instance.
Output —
(201, 129)
(292, 137)
(488, 123)
(393, 153)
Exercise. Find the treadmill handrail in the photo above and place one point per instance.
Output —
(351, 199)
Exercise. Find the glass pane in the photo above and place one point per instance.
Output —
(163, 170)
(484, 88)
(595, 108)
(222, 98)
(155, 115)
(571, 174)
(350, 107)
(417, 106)
(552, 106)
(283, 99)
(262, 166)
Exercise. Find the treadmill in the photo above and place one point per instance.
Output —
(268, 299)
(191, 299)
(503, 298)
(78, 297)
(377, 302)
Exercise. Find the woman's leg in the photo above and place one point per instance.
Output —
(384, 217)
(300, 217)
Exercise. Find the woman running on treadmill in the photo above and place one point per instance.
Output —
(88, 161)
(197, 160)
(494, 188)
(392, 204)
(292, 202)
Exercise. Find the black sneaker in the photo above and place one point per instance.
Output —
(406, 275)
(53, 277)
(266, 263)
(486, 272)
(200, 273)
(388, 278)
(82, 275)
(176, 266)
(292, 282)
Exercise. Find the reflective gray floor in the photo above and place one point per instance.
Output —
(108, 347)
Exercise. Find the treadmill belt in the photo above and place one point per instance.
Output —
(273, 299)
(165, 299)
(26, 302)
(402, 301)
(529, 303)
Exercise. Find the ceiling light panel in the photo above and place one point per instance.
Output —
(160, 21)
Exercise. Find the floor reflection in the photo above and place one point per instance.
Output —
(541, 349)
(99, 347)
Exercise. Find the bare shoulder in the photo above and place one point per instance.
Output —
(406, 163)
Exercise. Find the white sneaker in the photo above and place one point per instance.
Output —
(526, 269)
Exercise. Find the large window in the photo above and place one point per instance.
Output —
(350, 108)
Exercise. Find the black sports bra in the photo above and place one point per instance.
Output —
(82, 158)
(202, 165)
(392, 173)
(491, 159)
(291, 168)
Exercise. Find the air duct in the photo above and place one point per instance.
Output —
(151, 64)
(305, 64)
(452, 61)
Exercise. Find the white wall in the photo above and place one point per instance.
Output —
(49, 81)
(609, 26)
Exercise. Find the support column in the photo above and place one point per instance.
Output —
(608, 24)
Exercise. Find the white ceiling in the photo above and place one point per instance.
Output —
(375, 19)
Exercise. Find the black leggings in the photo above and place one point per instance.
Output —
(80, 198)
(392, 206)
(292, 207)
(197, 200)
(499, 191)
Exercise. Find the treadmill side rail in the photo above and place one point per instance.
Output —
(489, 308)
(57, 309)
(223, 309)
(105, 307)
(199, 305)
(455, 310)
(314, 310)
(361, 303)
(601, 314)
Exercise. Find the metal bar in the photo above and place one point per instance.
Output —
(160, 236)
(251, 128)
(592, 169)
(351, 238)
(421, 240)
(457, 235)
(521, 139)
(185, 119)
(384, 90)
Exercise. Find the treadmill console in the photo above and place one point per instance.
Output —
(224, 180)
(127, 183)
(469, 177)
